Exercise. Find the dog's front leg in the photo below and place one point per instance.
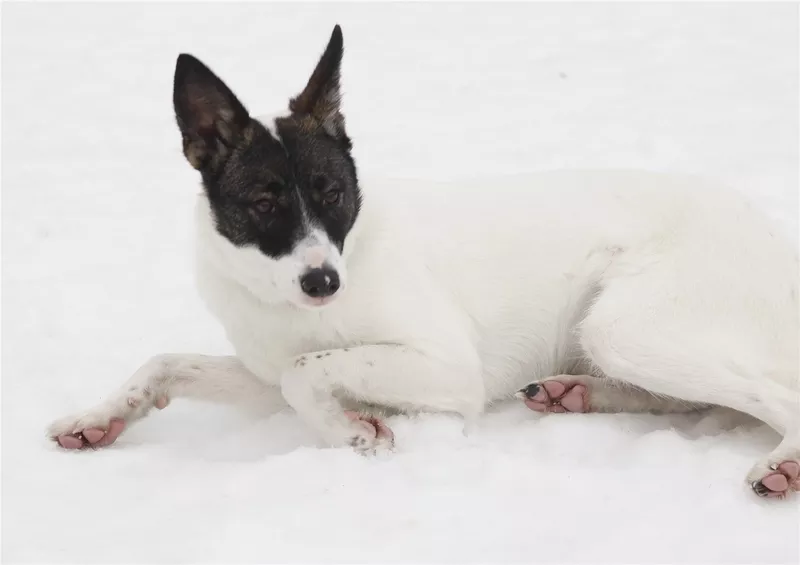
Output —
(162, 378)
(391, 375)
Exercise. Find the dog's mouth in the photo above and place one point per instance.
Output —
(319, 302)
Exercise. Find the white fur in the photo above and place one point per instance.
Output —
(459, 294)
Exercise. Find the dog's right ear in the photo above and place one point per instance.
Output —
(321, 98)
(210, 117)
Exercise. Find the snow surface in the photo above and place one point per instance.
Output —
(96, 278)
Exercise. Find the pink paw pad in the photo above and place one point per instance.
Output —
(92, 437)
(556, 396)
(378, 428)
(784, 478)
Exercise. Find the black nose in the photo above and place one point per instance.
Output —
(318, 283)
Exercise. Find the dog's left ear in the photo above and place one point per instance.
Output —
(321, 98)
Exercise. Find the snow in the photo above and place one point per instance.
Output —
(97, 203)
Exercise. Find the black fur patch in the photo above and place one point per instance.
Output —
(265, 190)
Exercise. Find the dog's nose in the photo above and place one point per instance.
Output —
(319, 283)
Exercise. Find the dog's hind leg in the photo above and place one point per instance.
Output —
(699, 347)
(165, 377)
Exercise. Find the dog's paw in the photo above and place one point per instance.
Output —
(102, 425)
(370, 435)
(563, 393)
(777, 482)
(91, 429)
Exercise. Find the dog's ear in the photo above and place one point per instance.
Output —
(210, 117)
(321, 98)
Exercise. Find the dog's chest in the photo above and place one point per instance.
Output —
(268, 337)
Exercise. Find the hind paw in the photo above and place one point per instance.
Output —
(560, 394)
(782, 479)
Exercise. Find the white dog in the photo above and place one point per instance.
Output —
(578, 291)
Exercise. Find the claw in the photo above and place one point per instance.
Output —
(529, 391)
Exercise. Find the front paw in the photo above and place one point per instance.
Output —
(95, 428)
(370, 435)
(102, 425)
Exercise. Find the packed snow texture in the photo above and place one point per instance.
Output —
(97, 205)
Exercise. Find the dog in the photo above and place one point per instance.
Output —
(577, 291)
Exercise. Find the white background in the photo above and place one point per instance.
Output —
(97, 202)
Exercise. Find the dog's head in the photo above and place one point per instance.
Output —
(282, 196)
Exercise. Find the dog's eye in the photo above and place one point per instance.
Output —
(264, 205)
(329, 192)
(331, 197)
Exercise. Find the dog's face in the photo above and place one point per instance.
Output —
(284, 195)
